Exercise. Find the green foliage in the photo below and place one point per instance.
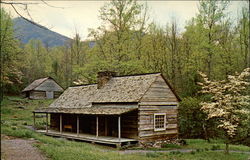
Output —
(215, 147)
(170, 146)
(10, 56)
(193, 122)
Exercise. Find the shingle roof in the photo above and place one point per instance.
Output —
(125, 89)
(35, 84)
(76, 97)
(87, 110)
(118, 89)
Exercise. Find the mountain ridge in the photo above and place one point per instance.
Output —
(26, 31)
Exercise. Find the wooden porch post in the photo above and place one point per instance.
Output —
(96, 126)
(34, 119)
(47, 122)
(61, 123)
(119, 128)
(77, 125)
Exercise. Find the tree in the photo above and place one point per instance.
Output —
(243, 35)
(119, 39)
(10, 56)
(228, 102)
(210, 14)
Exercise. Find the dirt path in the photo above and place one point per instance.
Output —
(19, 149)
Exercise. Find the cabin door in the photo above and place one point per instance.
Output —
(50, 95)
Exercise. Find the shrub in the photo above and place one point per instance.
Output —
(215, 147)
(170, 146)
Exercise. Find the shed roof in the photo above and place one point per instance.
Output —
(35, 84)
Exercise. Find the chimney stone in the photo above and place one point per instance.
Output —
(104, 77)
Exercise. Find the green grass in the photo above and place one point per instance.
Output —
(212, 145)
(14, 119)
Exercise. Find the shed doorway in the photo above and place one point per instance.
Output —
(49, 94)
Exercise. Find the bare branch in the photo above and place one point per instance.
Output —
(51, 5)
(28, 19)
(17, 3)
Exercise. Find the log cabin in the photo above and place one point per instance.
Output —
(117, 110)
(43, 88)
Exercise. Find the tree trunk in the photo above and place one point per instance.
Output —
(227, 148)
(205, 133)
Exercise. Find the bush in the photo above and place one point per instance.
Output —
(215, 147)
(192, 121)
(170, 146)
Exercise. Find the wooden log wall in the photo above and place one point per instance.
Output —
(37, 95)
(55, 121)
(57, 94)
(158, 99)
(129, 125)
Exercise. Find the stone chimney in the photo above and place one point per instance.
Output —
(104, 77)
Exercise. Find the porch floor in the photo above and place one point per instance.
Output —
(90, 138)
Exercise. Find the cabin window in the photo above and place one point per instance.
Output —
(159, 121)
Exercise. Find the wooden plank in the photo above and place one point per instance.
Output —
(158, 93)
(152, 133)
(145, 108)
(146, 128)
(157, 99)
(171, 126)
(97, 126)
(146, 117)
(157, 103)
(119, 127)
(90, 138)
(145, 122)
(169, 115)
(167, 111)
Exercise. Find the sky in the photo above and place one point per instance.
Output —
(69, 17)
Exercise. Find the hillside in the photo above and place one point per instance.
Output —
(26, 31)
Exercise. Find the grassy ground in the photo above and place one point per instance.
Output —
(16, 113)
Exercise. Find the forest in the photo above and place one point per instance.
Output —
(127, 42)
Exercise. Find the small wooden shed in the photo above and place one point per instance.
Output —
(43, 88)
(117, 110)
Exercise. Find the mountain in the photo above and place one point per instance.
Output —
(26, 31)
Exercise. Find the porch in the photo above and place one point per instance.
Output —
(115, 129)
(118, 142)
